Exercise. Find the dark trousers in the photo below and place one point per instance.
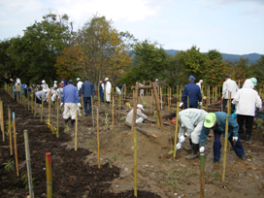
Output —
(85, 100)
(232, 105)
(249, 124)
(38, 101)
(102, 96)
(16, 93)
(238, 148)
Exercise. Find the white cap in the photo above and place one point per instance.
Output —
(201, 80)
(18, 81)
(157, 79)
(140, 106)
(55, 81)
(106, 78)
(43, 81)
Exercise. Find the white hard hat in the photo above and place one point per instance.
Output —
(106, 78)
(140, 106)
(43, 81)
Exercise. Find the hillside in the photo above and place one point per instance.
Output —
(252, 57)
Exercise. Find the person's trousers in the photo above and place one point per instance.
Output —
(238, 148)
(102, 96)
(85, 100)
(232, 105)
(139, 120)
(196, 133)
(249, 123)
(69, 111)
(118, 91)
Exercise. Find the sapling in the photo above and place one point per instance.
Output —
(9, 165)
(106, 120)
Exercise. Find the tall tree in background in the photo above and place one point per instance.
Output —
(257, 71)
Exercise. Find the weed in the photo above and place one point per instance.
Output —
(214, 174)
(23, 176)
(128, 105)
(7, 126)
(114, 157)
(106, 120)
(9, 165)
(123, 119)
(110, 164)
(259, 122)
(156, 117)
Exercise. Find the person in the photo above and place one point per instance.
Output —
(79, 85)
(192, 91)
(229, 86)
(44, 85)
(157, 82)
(18, 88)
(55, 84)
(57, 92)
(64, 81)
(24, 89)
(254, 81)
(87, 92)
(140, 117)
(101, 90)
(200, 85)
(69, 97)
(217, 121)
(191, 120)
(108, 87)
(246, 100)
(40, 95)
(119, 88)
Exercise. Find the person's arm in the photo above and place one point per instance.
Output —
(204, 133)
(224, 90)
(102, 86)
(181, 130)
(62, 96)
(233, 125)
(76, 95)
(140, 114)
(93, 89)
(236, 98)
(258, 101)
(186, 122)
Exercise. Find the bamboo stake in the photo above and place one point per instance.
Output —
(135, 107)
(48, 175)
(229, 93)
(35, 106)
(113, 112)
(15, 143)
(202, 176)
(99, 96)
(209, 95)
(168, 91)
(160, 98)
(176, 130)
(2, 121)
(32, 104)
(30, 185)
(92, 109)
(49, 108)
(41, 112)
(225, 149)
(135, 162)
(58, 113)
(98, 141)
(83, 112)
(10, 131)
(76, 126)
(188, 102)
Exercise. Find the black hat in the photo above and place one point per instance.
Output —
(227, 76)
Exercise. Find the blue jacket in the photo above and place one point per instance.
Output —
(220, 127)
(70, 94)
(193, 91)
(88, 89)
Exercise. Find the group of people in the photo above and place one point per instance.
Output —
(197, 123)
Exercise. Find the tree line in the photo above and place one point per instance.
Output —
(52, 50)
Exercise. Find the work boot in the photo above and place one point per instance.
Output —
(188, 148)
(195, 152)
(243, 157)
(242, 137)
(66, 122)
(247, 139)
(72, 123)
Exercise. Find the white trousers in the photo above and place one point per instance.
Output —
(118, 91)
(139, 120)
(196, 133)
(69, 111)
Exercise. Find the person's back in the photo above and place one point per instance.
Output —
(88, 89)
(18, 86)
(247, 99)
(193, 91)
(79, 85)
(69, 94)
(231, 86)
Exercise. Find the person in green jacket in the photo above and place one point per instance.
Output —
(217, 121)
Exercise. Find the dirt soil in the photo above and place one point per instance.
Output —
(76, 174)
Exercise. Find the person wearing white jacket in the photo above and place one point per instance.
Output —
(246, 101)
(229, 86)
(108, 87)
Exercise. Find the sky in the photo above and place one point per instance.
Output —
(229, 26)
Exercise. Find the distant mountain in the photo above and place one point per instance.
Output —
(232, 57)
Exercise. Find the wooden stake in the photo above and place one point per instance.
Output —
(225, 148)
(157, 104)
(98, 141)
(30, 184)
(2, 121)
(160, 98)
(10, 131)
(49, 108)
(58, 113)
(168, 95)
(176, 130)
(188, 102)
(35, 104)
(202, 176)
(92, 109)
(76, 126)
(15, 143)
(32, 104)
(41, 112)
(135, 162)
(48, 175)
(113, 112)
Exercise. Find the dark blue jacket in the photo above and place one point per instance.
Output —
(193, 91)
(88, 89)
(233, 126)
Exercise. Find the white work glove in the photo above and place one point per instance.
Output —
(178, 146)
(182, 139)
(200, 103)
(235, 139)
(180, 105)
(79, 104)
(202, 149)
(186, 135)
(61, 104)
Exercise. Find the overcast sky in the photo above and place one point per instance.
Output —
(229, 26)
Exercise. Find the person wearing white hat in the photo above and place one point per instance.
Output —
(200, 84)
(140, 117)
(79, 85)
(44, 85)
(108, 87)
(55, 84)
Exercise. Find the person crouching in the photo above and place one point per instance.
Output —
(140, 117)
